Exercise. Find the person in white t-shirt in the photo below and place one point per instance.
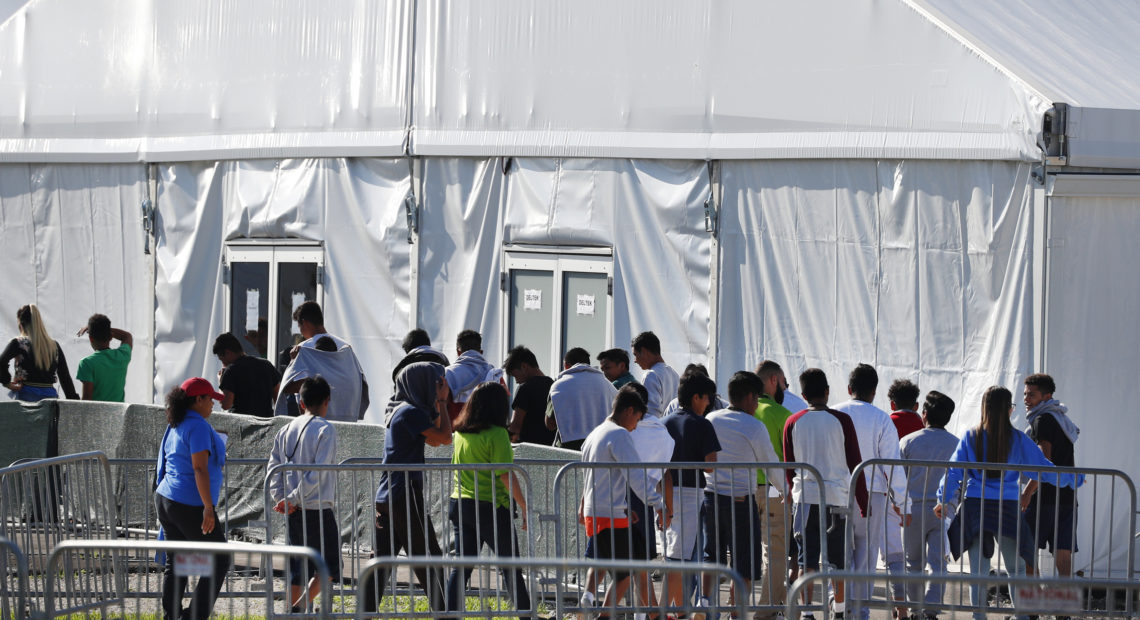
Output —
(878, 532)
(660, 380)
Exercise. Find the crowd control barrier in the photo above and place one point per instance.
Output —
(78, 582)
(487, 597)
(940, 546)
(14, 588)
(730, 504)
(413, 523)
(1017, 597)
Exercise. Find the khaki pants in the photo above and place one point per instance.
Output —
(773, 522)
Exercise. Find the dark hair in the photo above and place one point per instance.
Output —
(314, 391)
(629, 396)
(648, 341)
(99, 328)
(640, 389)
(695, 370)
(416, 338)
(469, 340)
(766, 369)
(742, 385)
(309, 311)
(938, 408)
(325, 343)
(577, 355)
(995, 431)
(904, 393)
(813, 385)
(1042, 382)
(487, 407)
(177, 402)
(692, 386)
(227, 342)
(863, 381)
(518, 356)
(617, 356)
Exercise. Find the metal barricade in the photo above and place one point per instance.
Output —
(14, 588)
(927, 541)
(484, 597)
(430, 517)
(44, 502)
(78, 584)
(1017, 596)
(729, 508)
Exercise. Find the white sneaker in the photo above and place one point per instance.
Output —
(702, 603)
(587, 600)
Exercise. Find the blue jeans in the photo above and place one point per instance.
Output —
(980, 566)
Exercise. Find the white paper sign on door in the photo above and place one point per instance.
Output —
(252, 308)
(532, 299)
(298, 299)
(586, 305)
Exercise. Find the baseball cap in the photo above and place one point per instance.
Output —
(199, 386)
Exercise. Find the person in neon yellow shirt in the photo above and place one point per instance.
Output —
(480, 510)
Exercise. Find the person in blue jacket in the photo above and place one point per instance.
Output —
(189, 477)
(990, 511)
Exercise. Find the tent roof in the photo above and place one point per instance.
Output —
(131, 80)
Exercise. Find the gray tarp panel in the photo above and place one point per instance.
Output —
(27, 432)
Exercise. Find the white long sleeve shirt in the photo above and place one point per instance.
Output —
(307, 439)
(878, 439)
(604, 492)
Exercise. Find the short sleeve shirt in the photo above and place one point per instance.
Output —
(191, 436)
(492, 445)
(695, 438)
(403, 445)
(251, 379)
(106, 370)
(774, 416)
(532, 397)
(1046, 428)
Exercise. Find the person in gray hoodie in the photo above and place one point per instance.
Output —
(580, 400)
(468, 371)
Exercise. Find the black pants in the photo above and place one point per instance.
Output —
(476, 523)
(182, 522)
(403, 525)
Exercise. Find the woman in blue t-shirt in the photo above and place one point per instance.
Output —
(189, 477)
(990, 510)
(480, 509)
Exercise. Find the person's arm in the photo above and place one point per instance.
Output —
(123, 336)
(88, 390)
(656, 402)
(228, 400)
(896, 476)
(551, 420)
(518, 415)
(6, 358)
(789, 452)
(277, 482)
(64, 375)
(200, 460)
(510, 481)
(851, 451)
(949, 488)
(667, 516)
(440, 433)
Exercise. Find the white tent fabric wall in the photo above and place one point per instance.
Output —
(922, 269)
(1092, 337)
(73, 245)
(649, 212)
(355, 206)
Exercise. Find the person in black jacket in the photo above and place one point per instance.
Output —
(38, 361)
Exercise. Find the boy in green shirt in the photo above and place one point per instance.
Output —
(104, 372)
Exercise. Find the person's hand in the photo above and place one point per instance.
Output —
(939, 511)
(82, 331)
(664, 519)
(906, 519)
(294, 351)
(285, 507)
(208, 519)
(524, 523)
(1026, 495)
(633, 518)
(15, 385)
(581, 517)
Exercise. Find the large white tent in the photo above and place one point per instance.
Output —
(945, 190)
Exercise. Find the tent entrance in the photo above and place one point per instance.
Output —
(558, 299)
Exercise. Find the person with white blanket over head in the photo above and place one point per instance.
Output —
(342, 371)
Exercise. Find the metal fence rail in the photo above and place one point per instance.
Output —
(44, 502)
(78, 582)
(727, 511)
(924, 542)
(1022, 597)
(352, 509)
(486, 597)
(14, 588)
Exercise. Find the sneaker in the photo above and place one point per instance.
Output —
(587, 600)
(837, 615)
(807, 615)
(701, 611)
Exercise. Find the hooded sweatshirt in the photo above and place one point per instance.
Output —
(409, 417)
(468, 371)
(581, 397)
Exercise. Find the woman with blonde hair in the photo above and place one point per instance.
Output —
(38, 361)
